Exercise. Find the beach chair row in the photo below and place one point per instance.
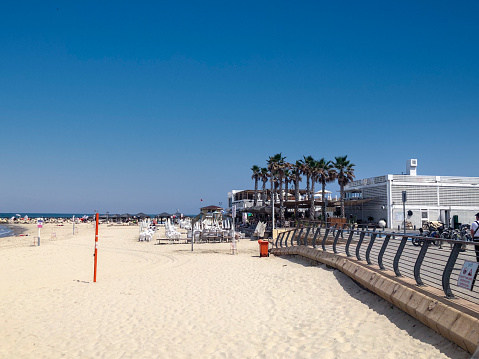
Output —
(212, 235)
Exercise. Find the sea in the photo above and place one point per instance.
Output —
(44, 215)
(5, 231)
(61, 215)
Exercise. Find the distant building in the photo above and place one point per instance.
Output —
(428, 198)
(244, 199)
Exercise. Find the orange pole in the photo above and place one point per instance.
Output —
(96, 249)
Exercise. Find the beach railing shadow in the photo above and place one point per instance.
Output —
(381, 306)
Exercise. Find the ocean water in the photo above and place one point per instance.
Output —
(5, 232)
(62, 215)
(44, 215)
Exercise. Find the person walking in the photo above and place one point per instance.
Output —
(475, 234)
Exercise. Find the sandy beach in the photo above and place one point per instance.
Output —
(164, 301)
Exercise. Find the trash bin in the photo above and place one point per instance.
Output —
(263, 248)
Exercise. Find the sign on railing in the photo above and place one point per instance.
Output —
(467, 277)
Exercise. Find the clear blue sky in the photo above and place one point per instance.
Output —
(152, 106)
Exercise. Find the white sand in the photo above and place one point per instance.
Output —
(164, 301)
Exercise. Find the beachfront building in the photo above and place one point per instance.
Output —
(244, 199)
(448, 199)
(209, 217)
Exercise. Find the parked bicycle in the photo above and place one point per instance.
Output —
(418, 242)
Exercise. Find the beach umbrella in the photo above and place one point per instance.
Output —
(125, 216)
(164, 215)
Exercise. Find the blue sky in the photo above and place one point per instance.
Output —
(153, 106)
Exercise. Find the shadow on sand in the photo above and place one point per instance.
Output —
(382, 307)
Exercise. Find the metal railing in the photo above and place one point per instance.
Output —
(436, 263)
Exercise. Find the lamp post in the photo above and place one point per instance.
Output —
(404, 210)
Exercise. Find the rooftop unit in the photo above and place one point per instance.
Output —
(411, 166)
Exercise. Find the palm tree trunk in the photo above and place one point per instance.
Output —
(323, 189)
(286, 183)
(272, 199)
(281, 201)
(311, 207)
(255, 199)
(342, 200)
(264, 193)
(307, 187)
(296, 197)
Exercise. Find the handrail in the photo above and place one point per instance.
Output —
(403, 258)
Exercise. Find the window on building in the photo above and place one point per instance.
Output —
(424, 217)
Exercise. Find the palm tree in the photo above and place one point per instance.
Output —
(345, 174)
(296, 178)
(325, 174)
(264, 177)
(287, 179)
(314, 178)
(306, 170)
(272, 173)
(255, 176)
(276, 167)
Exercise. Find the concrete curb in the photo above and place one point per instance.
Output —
(460, 328)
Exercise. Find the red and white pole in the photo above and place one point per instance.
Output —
(96, 249)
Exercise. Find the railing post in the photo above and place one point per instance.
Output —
(381, 252)
(323, 243)
(297, 237)
(281, 240)
(361, 239)
(348, 243)
(370, 246)
(336, 238)
(318, 231)
(281, 235)
(446, 275)
(306, 236)
(286, 241)
(398, 256)
(419, 260)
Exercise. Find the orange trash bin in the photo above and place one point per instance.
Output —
(263, 248)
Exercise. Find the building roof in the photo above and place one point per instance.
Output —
(211, 208)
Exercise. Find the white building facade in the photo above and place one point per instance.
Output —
(428, 198)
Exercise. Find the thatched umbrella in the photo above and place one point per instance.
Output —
(163, 215)
(125, 217)
(141, 215)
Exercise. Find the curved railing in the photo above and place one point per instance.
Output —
(437, 265)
